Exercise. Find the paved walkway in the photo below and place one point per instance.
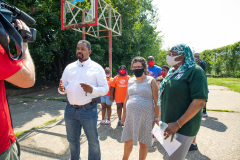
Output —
(218, 138)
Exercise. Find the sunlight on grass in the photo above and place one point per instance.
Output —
(231, 83)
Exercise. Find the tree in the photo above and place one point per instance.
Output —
(224, 61)
(54, 48)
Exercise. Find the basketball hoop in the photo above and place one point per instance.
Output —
(91, 17)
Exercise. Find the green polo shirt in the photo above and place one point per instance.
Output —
(178, 94)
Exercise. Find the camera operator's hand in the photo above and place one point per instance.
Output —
(21, 25)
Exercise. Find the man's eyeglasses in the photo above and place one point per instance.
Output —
(137, 67)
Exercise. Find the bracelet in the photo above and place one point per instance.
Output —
(179, 124)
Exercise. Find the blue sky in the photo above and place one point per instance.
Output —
(202, 24)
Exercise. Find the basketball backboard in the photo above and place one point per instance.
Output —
(91, 17)
(78, 13)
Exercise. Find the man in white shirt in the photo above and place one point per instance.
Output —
(82, 81)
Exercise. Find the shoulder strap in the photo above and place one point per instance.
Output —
(6, 27)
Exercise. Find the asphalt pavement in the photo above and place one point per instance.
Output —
(218, 138)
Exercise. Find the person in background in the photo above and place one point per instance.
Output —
(159, 80)
(140, 111)
(119, 90)
(22, 74)
(164, 71)
(202, 64)
(199, 61)
(83, 81)
(105, 100)
(182, 94)
(154, 70)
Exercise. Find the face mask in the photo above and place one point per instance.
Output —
(122, 72)
(138, 72)
(163, 73)
(151, 63)
(171, 60)
(108, 75)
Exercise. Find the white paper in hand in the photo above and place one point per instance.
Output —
(169, 146)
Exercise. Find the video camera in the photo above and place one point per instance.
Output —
(8, 15)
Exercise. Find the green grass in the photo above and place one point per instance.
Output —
(20, 102)
(39, 98)
(231, 83)
(18, 134)
(220, 110)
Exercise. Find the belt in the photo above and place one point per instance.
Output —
(94, 101)
(81, 106)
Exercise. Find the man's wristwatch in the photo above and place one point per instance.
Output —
(156, 119)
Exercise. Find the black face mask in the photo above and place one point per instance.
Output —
(138, 72)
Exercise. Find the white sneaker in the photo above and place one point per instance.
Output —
(205, 114)
(102, 122)
(108, 122)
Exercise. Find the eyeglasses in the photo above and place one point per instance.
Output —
(137, 67)
(172, 54)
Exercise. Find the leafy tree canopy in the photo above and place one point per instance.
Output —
(54, 48)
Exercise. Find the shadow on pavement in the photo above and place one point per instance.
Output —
(196, 155)
(26, 113)
(190, 156)
(214, 124)
(107, 130)
(44, 153)
(157, 146)
(28, 143)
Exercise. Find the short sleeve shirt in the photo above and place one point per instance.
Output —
(120, 85)
(109, 81)
(203, 65)
(8, 67)
(155, 71)
(178, 94)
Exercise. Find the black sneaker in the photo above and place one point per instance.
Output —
(119, 123)
(193, 147)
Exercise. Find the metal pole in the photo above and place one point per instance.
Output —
(110, 36)
(83, 34)
(83, 29)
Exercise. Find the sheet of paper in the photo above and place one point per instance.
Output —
(170, 147)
